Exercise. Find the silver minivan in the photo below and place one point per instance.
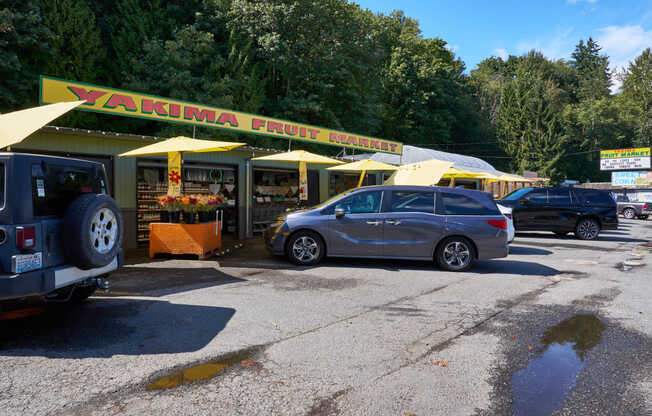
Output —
(448, 225)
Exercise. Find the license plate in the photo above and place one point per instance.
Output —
(26, 262)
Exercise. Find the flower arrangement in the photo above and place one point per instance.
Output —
(169, 203)
(190, 203)
(209, 202)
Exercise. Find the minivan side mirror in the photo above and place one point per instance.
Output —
(339, 212)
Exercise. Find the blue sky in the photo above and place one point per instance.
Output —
(478, 29)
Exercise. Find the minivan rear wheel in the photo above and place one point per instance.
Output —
(455, 254)
(587, 229)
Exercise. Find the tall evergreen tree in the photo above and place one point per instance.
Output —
(593, 71)
(24, 50)
(637, 90)
(80, 54)
(529, 125)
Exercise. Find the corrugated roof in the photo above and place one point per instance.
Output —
(413, 154)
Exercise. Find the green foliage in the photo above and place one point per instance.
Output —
(24, 49)
(332, 64)
(637, 94)
(594, 79)
(77, 48)
(199, 64)
(529, 124)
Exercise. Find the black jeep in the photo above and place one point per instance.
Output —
(60, 231)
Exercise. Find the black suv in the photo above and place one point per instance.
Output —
(60, 231)
(562, 210)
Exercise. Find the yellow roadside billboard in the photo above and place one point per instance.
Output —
(132, 104)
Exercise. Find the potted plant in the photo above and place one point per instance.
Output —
(170, 207)
(189, 209)
(203, 208)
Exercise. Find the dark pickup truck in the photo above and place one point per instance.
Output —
(633, 209)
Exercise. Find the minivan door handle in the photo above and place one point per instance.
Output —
(374, 222)
(393, 222)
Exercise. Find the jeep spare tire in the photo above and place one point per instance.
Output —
(92, 231)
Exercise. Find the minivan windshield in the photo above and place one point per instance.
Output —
(517, 194)
(333, 198)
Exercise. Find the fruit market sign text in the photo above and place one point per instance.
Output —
(126, 103)
(621, 159)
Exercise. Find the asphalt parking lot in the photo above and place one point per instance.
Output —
(252, 334)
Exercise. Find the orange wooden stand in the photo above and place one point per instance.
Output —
(199, 239)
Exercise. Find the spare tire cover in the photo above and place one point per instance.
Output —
(92, 231)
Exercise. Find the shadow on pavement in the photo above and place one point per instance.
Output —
(156, 280)
(525, 268)
(103, 327)
(528, 250)
(601, 237)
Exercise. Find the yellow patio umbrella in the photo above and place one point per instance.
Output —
(506, 177)
(182, 144)
(454, 173)
(299, 156)
(426, 173)
(303, 158)
(18, 125)
(174, 148)
(460, 173)
(363, 166)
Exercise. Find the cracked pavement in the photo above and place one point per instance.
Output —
(348, 337)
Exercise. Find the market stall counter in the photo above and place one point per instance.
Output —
(201, 240)
(199, 234)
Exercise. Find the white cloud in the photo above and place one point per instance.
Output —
(623, 44)
(557, 47)
(453, 48)
(501, 53)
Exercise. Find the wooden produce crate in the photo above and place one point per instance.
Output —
(199, 239)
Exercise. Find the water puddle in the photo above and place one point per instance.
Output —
(542, 387)
(196, 373)
(204, 371)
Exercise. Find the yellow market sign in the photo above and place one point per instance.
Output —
(126, 103)
(618, 153)
(623, 159)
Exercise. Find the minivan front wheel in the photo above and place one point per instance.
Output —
(305, 248)
(587, 229)
(455, 254)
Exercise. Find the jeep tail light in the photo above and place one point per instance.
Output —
(502, 224)
(25, 237)
(644, 207)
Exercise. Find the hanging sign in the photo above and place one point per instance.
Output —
(174, 173)
(303, 181)
(622, 159)
(131, 104)
(641, 178)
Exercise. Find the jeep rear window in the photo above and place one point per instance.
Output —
(2, 185)
(55, 187)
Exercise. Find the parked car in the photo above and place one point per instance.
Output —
(584, 212)
(507, 212)
(450, 226)
(60, 231)
(633, 209)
